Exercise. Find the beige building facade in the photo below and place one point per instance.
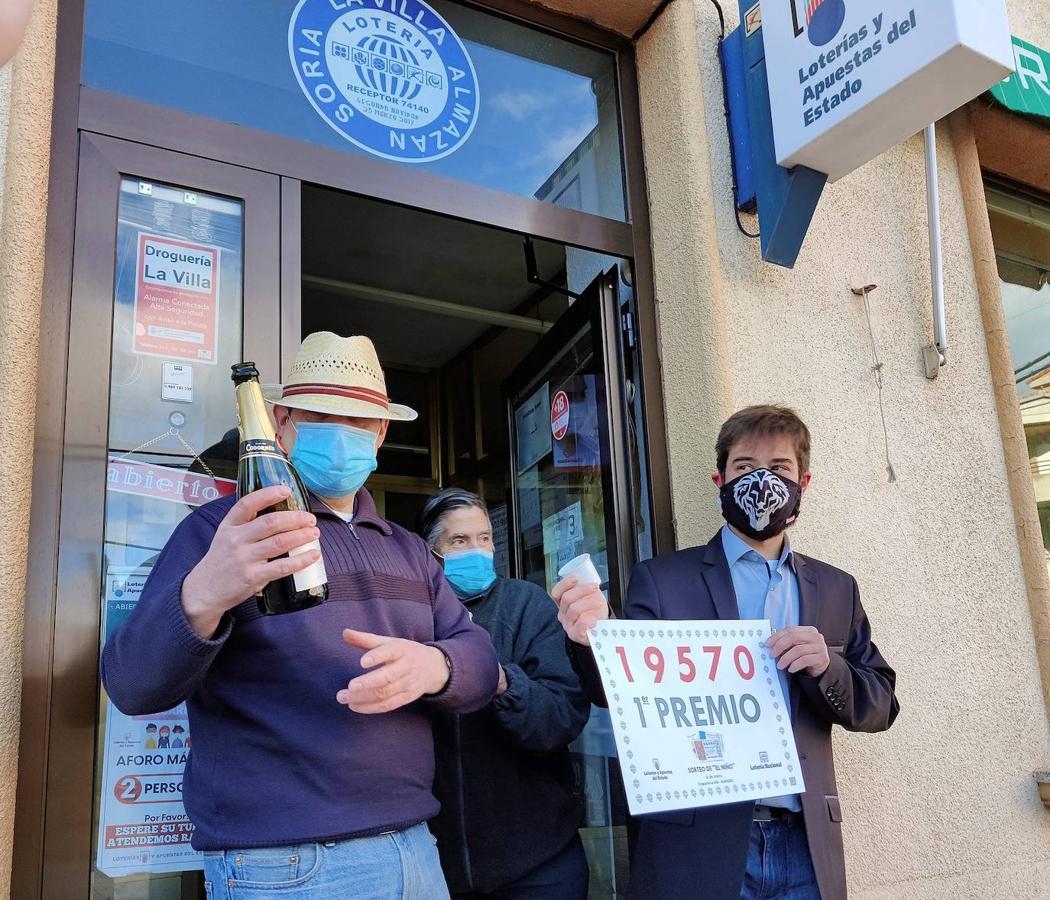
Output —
(947, 550)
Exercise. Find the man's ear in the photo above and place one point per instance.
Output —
(281, 415)
(383, 427)
(804, 481)
(718, 479)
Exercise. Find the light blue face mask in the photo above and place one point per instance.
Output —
(333, 460)
(470, 572)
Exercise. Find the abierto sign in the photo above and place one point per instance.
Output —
(849, 79)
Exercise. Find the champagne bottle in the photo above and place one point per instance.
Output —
(261, 464)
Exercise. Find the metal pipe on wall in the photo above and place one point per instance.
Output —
(940, 331)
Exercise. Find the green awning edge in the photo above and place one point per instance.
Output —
(1027, 90)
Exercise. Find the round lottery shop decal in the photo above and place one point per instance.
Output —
(390, 76)
(560, 415)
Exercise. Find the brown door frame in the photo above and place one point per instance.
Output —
(61, 699)
(66, 830)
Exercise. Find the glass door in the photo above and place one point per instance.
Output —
(570, 496)
(176, 277)
(565, 409)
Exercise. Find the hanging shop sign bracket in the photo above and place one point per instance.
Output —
(830, 84)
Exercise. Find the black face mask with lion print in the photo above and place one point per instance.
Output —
(760, 503)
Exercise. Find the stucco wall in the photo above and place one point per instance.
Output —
(944, 804)
(24, 142)
(5, 118)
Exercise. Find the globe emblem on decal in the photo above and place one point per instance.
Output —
(390, 76)
(824, 19)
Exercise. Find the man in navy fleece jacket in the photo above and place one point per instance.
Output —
(313, 757)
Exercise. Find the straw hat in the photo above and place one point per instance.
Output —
(338, 376)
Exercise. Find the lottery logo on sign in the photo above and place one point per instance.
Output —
(560, 415)
(390, 76)
(823, 19)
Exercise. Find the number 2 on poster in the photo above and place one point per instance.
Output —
(653, 659)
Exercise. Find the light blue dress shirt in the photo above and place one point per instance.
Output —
(765, 589)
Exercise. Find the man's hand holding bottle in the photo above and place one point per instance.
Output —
(243, 557)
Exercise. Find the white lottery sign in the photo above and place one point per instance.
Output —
(698, 712)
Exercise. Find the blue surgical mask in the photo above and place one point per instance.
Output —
(470, 572)
(333, 460)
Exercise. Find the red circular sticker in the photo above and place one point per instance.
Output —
(560, 415)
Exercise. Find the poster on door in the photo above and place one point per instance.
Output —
(176, 299)
(532, 428)
(143, 826)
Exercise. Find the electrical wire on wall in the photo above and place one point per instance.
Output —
(652, 18)
(876, 369)
(725, 102)
(725, 106)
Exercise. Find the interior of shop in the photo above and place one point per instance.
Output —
(467, 339)
(483, 353)
(430, 292)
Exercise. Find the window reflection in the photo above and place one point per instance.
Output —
(547, 124)
(1021, 231)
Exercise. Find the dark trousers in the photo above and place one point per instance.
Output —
(564, 877)
(779, 866)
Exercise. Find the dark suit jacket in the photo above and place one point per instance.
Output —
(702, 853)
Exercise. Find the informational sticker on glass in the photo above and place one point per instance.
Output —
(560, 415)
(500, 540)
(176, 299)
(177, 383)
(532, 426)
(698, 712)
(529, 505)
(578, 446)
(562, 538)
(143, 826)
(392, 78)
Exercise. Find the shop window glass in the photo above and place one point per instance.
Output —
(176, 331)
(1021, 231)
(474, 97)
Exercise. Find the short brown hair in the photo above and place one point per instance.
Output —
(762, 421)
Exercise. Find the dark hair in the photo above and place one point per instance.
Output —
(763, 421)
(430, 524)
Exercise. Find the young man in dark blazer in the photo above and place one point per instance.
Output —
(780, 848)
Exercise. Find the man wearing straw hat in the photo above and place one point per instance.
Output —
(313, 756)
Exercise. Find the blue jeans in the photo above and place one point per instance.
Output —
(401, 865)
(564, 877)
(779, 866)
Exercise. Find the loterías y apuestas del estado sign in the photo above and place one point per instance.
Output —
(390, 76)
(849, 79)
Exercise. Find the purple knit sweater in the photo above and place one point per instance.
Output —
(276, 759)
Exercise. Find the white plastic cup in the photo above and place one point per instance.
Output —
(582, 568)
